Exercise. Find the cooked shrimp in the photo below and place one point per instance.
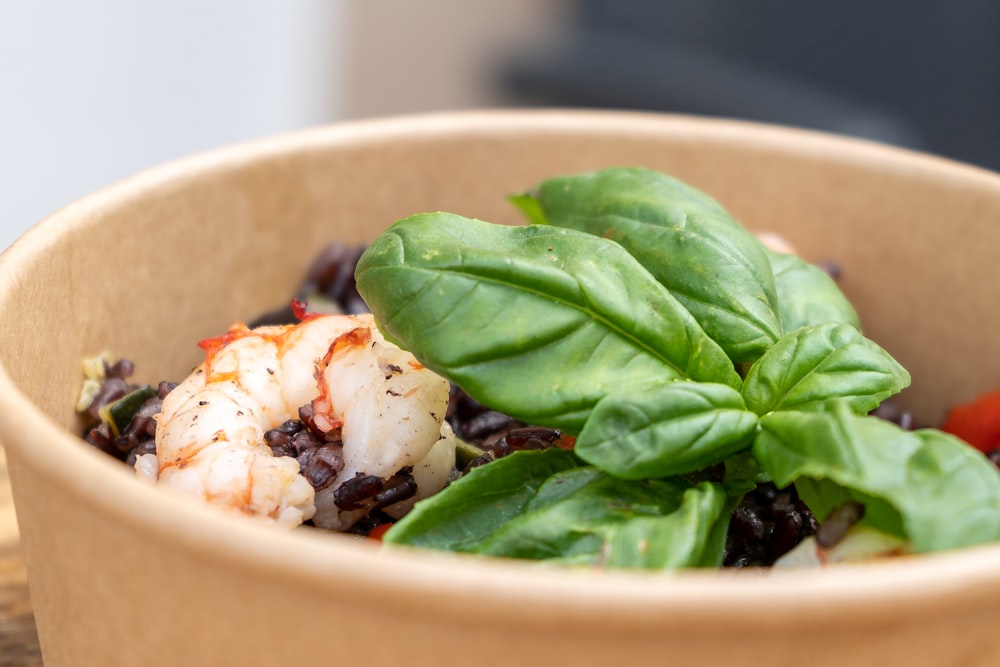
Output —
(388, 408)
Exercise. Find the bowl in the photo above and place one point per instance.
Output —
(122, 573)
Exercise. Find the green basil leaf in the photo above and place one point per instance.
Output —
(711, 263)
(814, 364)
(807, 294)
(538, 322)
(967, 486)
(563, 484)
(665, 429)
(822, 496)
(692, 536)
(743, 474)
(571, 527)
(475, 505)
(925, 485)
(529, 207)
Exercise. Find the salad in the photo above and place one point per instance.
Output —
(651, 376)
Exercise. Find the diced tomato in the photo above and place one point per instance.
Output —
(565, 441)
(978, 422)
(379, 531)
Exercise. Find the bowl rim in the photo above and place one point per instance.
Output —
(638, 600)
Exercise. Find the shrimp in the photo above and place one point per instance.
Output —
(389, 411)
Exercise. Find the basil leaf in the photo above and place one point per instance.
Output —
(812, 365)
(530, 207)
(563, 484)
(965, 483)
(711, 263)
(926, 485)
(692, 536)
(571, 528)
(743, 474)
(475, 505)
(535, 321)
(665, 429)
(807, 294)
(822, 496)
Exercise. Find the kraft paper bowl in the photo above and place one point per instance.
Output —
(122, 573)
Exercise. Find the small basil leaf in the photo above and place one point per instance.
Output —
(807, 294)
(692, 536)
(711, 263)
(665, 429)
(573, 527)
(742, 474)
(530, 207)
(475, 505)
(817, 363)
(536, 321)
(931, 487)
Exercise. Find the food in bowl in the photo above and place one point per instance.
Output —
(689, 365)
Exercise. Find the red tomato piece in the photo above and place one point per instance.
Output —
(978, 422)
(379, 531)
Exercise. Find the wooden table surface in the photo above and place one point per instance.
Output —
(18, 640)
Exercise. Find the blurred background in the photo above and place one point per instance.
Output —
(93, 92)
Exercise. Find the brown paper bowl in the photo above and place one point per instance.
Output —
(125, 574)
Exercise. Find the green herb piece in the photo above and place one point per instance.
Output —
(692, 536)
(711, 263)
(539, 322)
(807, 294)
(466, 453)
(815, 364)
(119, 414)
(665, 429)
(568, 522)
(472, 507)
(585, 517)
(543, 505)
(925, 485)
(743, 473)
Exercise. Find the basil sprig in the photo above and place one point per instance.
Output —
(622, 320)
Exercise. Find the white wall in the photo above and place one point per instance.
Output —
(92, 91)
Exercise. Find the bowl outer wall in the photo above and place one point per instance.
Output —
(125, 574)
